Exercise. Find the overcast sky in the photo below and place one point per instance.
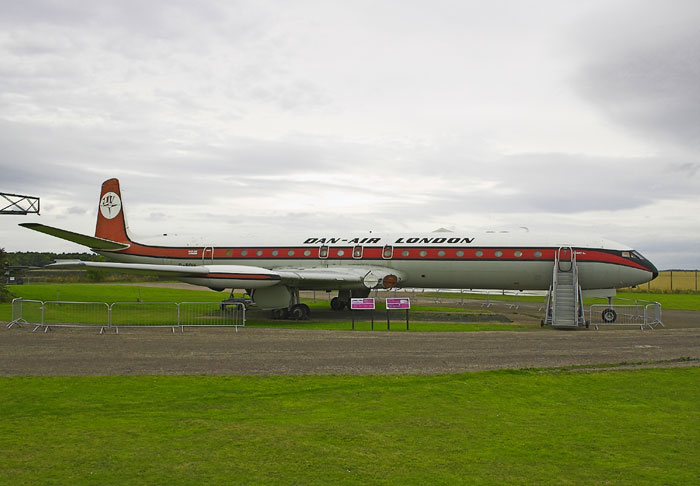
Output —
(316, 117)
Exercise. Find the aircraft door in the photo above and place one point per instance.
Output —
(208, 254)
(388, 252)
(323, 252)
(565, 259)
(357, 252)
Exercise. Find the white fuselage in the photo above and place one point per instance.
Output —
(519, 261)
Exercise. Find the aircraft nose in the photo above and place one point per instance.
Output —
(646, 264)
(654, 271)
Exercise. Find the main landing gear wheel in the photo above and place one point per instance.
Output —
(337, 304)
(299, 312)
(609, 315)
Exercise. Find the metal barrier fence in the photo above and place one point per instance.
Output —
(126, 314)
(141, 314)
(640, 314)
(75, 314)
(212, 314)
(26, 311)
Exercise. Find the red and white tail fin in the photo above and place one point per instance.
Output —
(111, 222)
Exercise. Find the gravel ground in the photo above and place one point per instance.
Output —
(279, 352)
(219, 351)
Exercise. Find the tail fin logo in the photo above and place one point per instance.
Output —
(110, 205)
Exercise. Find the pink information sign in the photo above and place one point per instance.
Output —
(398, 303)
(362, 304)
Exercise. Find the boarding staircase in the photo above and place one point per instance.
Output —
(564, 300)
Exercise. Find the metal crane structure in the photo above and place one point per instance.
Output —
(18, 204)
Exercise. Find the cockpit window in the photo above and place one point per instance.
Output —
(626, 254)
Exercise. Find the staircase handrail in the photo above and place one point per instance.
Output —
(577, 294)
(554, 286)
(574, 272)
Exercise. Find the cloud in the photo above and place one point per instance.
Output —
(643, 69)
(258, 117)
(76, 210)
(157, 216)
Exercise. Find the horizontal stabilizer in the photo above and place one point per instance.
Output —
(91, 242)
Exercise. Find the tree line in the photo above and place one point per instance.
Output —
(27, 267)
(41, 259)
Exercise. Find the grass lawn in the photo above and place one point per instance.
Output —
(131, 293)
(113, 293)
(686, 301)
(107, 293)
(499, 427)
(667, 301)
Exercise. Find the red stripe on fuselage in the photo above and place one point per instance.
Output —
(375, 253)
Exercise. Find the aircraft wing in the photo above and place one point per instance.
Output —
(340, 277)
(90, 241)
(236, 276)
(173, 271)
(245, 276)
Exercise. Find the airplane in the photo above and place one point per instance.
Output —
(273, 273)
